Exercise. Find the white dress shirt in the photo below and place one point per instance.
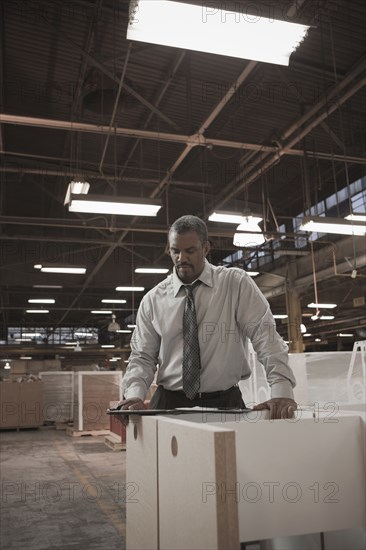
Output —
(230, 308)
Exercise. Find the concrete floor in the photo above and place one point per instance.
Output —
(61, 492)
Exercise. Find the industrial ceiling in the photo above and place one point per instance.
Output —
(199, 131)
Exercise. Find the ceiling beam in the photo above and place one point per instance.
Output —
(107, 72)
(297, 131)
(194, 140)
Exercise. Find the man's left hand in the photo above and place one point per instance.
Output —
(279, 407)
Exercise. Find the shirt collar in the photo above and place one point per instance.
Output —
(205, 277)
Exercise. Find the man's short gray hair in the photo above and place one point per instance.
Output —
(187, 224)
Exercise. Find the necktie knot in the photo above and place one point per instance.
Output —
(190, 288)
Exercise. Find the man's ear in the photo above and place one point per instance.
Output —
(206, 247)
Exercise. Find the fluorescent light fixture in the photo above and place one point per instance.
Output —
(252, 273)
(107, 346)
(209, 29)
(113, 301)
(123, 206)
(314, 317)
(124, 331)
(70, 343)
(253, 235)
(37, 311)
(32, 334)
(320, 306)
(25, 357)
(23, 339)
(47, 286)
(114, 359)
(345, 335)
(226, 217)
(317, 339)
(76, 188)
(326, 317)
(303, 328)
(307, 334)
(356, 217)
(130, 288)
(131, 326)
(280, 316)
(72, 270)
(333, 225)
(52, 268)
(41, 301)
(151, 270)
(101, 311)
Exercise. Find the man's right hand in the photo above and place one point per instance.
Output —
(131, 404)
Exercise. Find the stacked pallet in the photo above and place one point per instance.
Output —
(93, 392)
(21, 403)
(58, 396)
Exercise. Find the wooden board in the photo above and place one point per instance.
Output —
(57, 396)
(9, 403)
(80, 433)
(21, 404)
(142, 485)
(197, 480)
(298, 477)
(114, 442)
(93, 392)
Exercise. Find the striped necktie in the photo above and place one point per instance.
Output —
(191, 349)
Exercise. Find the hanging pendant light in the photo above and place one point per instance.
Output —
(251, 234)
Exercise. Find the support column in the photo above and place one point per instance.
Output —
(293, 307)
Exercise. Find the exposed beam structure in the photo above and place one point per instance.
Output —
(194, 140)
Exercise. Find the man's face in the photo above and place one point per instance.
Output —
(188, 255)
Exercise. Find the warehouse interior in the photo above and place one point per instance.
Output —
(197, 132)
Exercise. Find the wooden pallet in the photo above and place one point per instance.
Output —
(62, 425)
(114, 442)
(75, 433)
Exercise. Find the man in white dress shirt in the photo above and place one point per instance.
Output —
(230, 309)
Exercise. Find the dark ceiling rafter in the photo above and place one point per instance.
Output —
(195, 140)
(110, 74)
(321, 110)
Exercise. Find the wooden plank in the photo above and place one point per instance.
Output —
(9, 404)
(197, 483)
(114, 442)
(93, 393)
(80, 433)
(142, 484)
(298, 477)
(57, 396)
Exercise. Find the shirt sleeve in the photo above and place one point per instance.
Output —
(142, 364)
(257, 323)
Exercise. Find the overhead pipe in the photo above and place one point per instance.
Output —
(191, 141)
(307, 280)
(248, 177)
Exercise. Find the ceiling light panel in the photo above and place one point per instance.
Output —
(122, 206)
(334, 226)
(209, 29)
(130, 288)
(151, 270)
